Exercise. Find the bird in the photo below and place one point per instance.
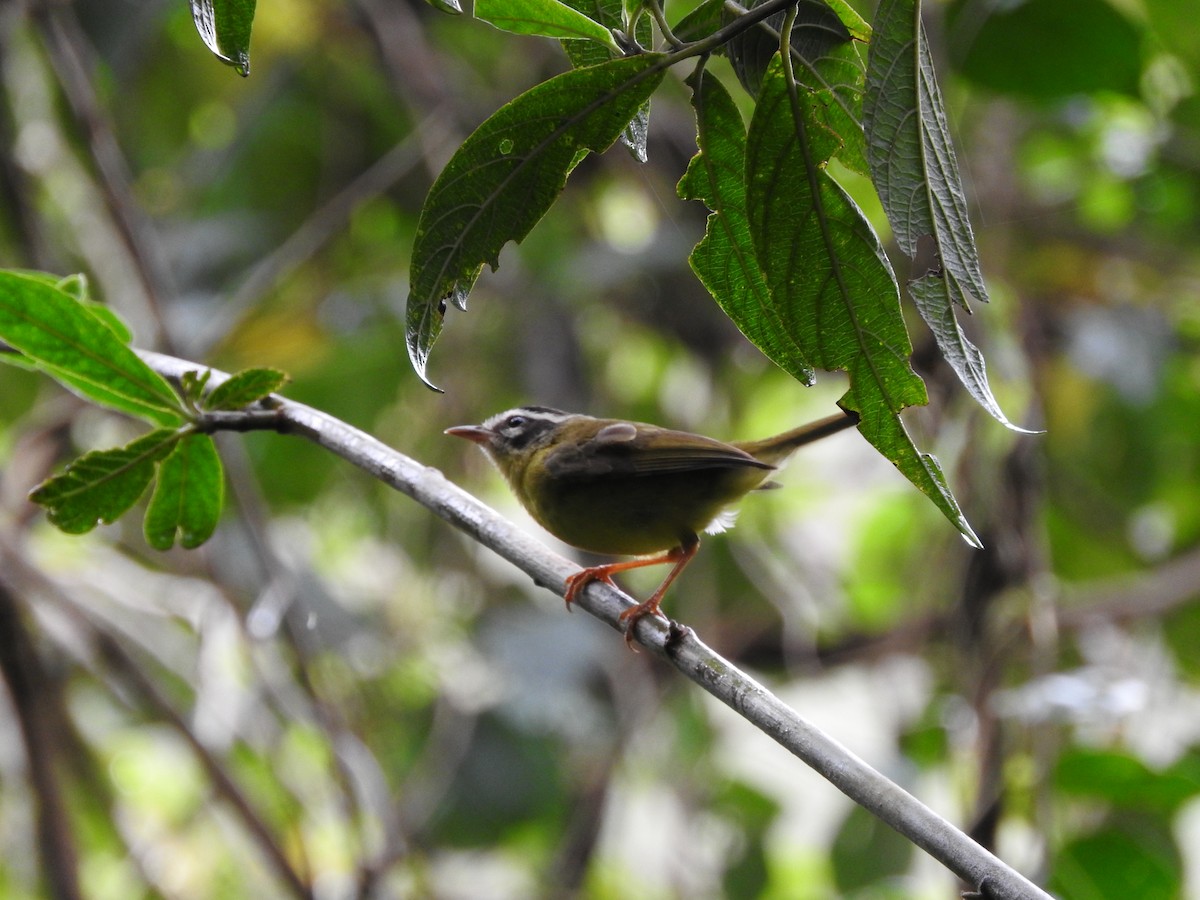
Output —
(624, 488)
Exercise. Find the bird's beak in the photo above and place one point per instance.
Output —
(476, 433)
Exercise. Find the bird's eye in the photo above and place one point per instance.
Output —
(515, 422)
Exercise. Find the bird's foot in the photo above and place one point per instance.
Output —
(635, 614)
(581, 579)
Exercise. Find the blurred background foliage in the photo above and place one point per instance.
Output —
(339, 695)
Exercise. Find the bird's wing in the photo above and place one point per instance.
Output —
(624, 448)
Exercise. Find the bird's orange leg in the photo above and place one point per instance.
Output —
(584, 577)
(681, 556)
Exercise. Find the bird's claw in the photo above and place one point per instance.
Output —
(579, 580)
(635, 614)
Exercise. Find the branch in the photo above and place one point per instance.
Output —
(670, 642)
(67, 50)
(32, 700)
(109, 653)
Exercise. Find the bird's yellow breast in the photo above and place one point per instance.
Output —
(631, 514)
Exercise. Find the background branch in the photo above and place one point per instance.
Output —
(111, 655)
(33, 698)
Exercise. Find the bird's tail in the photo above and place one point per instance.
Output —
(774, 450)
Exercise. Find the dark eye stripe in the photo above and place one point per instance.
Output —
(529, 432)
(525, 426)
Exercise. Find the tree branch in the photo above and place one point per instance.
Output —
(670, 642)
(32, 699)
(109, 653)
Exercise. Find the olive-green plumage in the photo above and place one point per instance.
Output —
(628, 488)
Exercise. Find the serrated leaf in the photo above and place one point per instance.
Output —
(66, 341)
(829, 279)
(725, 259)
(101, 486)
(225, 26)
(245, 387)
(505, 177)
(188, 496)
(908, 144)
(76, 287)
(548, 18)
(930, 294)
(612, 15)
(916, 174)
(825, 60)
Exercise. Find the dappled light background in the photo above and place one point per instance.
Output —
(339, 690)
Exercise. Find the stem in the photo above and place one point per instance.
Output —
(724, 35)
(785, 40)
(660, 19)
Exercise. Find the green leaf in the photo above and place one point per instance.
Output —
(188, 497)
(66, 341)
(224, 26)
(858, 27)
(192, 384)
(548, 18)
(817, 30)
(700, 22)
(836, 81)
(915, 171)
(1127, 856)
(612, 15)
(101, 486)
(866, 853)
(725, 260)
(110, 319)
(1049, 49)
(931, 295)
(829, 279)
(76, 287)
(826, 61)
(908, 142)
(246, 387)
(505, 177)
(1124, 781)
